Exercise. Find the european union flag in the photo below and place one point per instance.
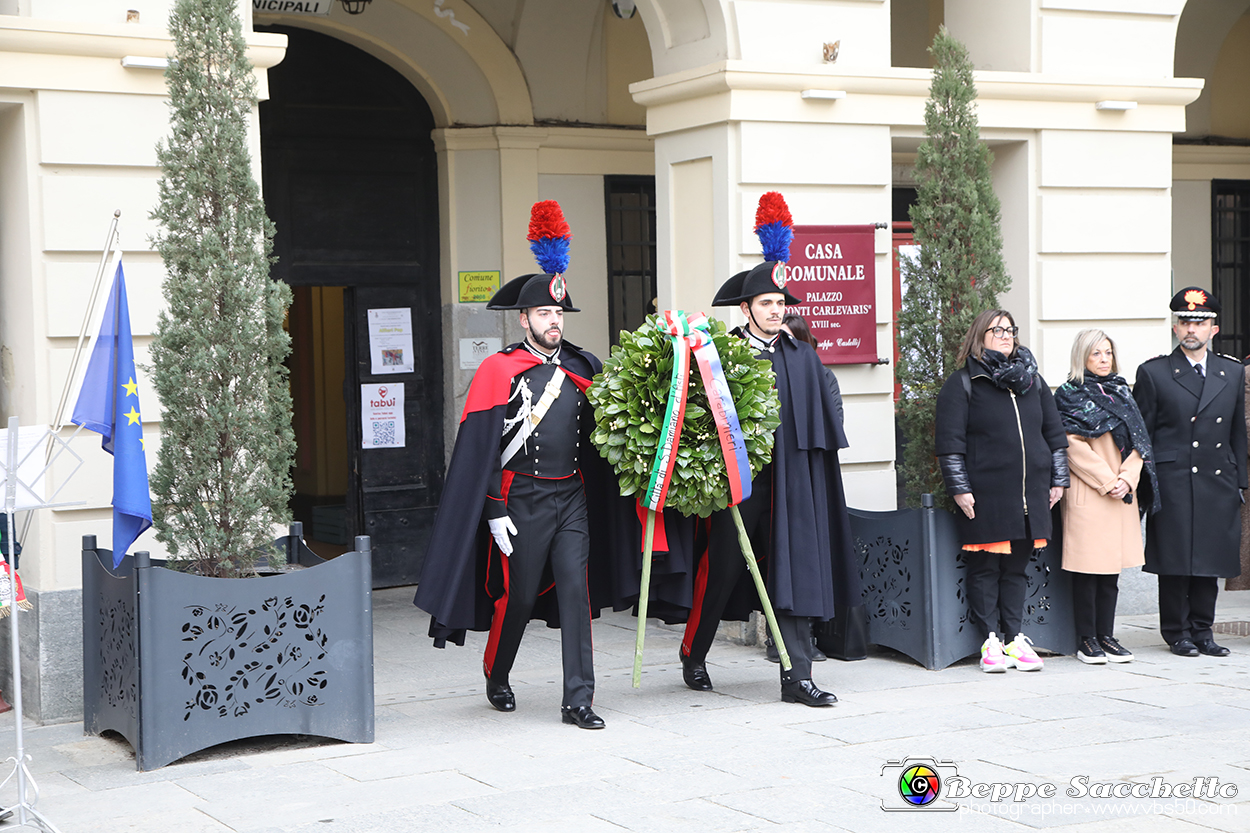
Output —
(109, 405)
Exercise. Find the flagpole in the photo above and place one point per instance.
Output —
(109, 246)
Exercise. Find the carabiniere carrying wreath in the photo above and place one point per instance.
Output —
(631, 399)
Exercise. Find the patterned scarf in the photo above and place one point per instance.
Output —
(1016, 375)
(1103, 404)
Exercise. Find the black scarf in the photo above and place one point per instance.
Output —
(1103, 404)
(1016, 374)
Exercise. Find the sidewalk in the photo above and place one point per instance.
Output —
(671, 759)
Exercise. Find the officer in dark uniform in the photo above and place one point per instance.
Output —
(796, 515)
(525, 426)
(1193, 405)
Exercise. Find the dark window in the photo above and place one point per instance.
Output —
(1230, 263)
(630, 204)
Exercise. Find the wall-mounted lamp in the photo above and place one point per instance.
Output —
(354, 6)
(1115, 105)
(624, 9)
(140, 62)
(824, 95)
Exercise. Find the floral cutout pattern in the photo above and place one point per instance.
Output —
(243, 659)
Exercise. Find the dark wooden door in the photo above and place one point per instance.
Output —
(394, 491)
(350, 180)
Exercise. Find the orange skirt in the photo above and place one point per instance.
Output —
(1001, 547)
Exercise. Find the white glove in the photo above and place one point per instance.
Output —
(499, 529)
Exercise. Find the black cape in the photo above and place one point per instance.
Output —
(812, 569)
(460, 576)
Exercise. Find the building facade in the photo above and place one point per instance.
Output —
(400, 149)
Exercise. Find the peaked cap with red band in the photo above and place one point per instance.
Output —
(774, 227)
(549, 237)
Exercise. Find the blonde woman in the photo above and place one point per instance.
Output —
(1108, 451)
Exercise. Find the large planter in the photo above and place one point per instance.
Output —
(914, 579)
(176, 663)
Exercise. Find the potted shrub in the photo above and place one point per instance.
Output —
(179, 659)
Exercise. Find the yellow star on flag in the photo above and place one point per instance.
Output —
(131, 387)
(132, 417)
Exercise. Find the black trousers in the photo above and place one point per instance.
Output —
(552, 528)
(721, 572)
(1187, 607)
(996, 588)
(1093, 603)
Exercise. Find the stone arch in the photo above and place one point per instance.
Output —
(1200, 34)
(467, 77)
(687, 33)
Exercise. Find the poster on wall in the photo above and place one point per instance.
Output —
(832, 272)
(382, 415)
(390, 341)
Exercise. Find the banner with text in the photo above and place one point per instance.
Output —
(832, 272)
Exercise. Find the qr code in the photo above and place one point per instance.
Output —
(384, 432)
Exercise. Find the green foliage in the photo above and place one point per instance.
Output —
(960, 270)
(222, 477)
(630, 397)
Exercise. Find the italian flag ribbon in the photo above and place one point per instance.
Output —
(691, 338)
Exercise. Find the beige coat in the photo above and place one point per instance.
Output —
(1101, 534)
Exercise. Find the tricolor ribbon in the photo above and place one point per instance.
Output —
(690, 337)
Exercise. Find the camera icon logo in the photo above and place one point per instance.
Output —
(916, 783)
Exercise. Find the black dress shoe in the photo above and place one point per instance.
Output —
(1208, 647)
(694, 673)
(806, 692)
(500, 696)
(581, 716)
(1185, 648)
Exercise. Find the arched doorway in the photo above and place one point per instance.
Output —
(350, 180)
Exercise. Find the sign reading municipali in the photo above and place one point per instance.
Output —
(317, 7)
(832, 272)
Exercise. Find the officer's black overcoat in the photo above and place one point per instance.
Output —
(1197, 427)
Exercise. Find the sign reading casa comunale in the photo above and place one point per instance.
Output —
(832, 272)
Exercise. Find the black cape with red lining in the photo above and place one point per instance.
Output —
(811, 569)
(460, 578)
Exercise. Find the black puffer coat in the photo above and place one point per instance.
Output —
(1009, 445)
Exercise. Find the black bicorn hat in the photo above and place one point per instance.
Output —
(774, 226)
(549, 237)
(1194, 302)
(769, 276)
(537, 290)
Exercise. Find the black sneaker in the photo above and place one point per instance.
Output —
(1115, 651)
(1090, 652)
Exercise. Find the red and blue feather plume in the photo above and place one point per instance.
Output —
(549, 237)
(774, 227)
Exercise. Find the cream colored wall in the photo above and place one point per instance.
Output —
(489, 178)
(627, 56)
(77, 143)
(581, 198)
(1191, 234)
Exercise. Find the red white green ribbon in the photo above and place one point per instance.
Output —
(690, 337)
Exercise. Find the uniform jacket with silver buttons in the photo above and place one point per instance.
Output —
(1197, 427)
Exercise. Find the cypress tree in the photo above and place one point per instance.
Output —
(960, 268)
(223, 474)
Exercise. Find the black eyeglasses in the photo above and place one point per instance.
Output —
(999, 332)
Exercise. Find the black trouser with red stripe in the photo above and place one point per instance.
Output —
(551, 522)
(723, 568)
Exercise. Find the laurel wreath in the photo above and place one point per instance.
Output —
(630, 396)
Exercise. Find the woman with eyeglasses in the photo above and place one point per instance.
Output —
(1113, 475)
(1003, 454)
